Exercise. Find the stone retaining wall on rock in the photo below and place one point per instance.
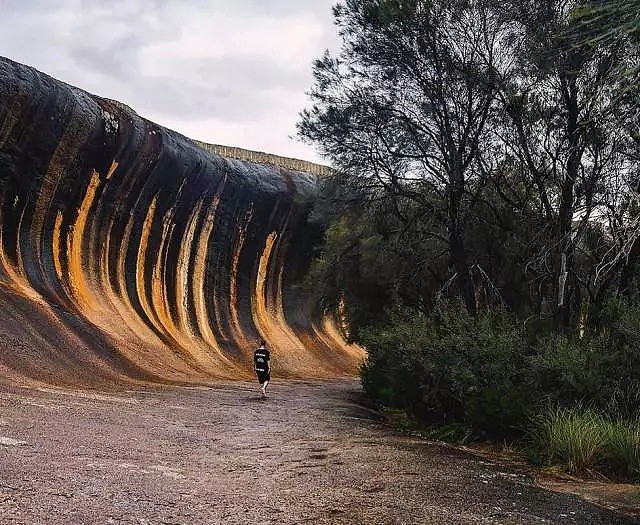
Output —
(266, 158)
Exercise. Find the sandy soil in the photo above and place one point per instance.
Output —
(310, 453)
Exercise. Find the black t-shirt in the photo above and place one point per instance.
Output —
(261, 359)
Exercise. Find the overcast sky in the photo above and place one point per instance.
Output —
(231, 72)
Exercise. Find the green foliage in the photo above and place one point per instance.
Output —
(572, 436)
(489, 375)
(622, 447)
(365, 267)
(476, 147)
(598, 21)
(484, 153)
(561, 368)
(584, 439)
(354, 267)
(611, 360)
(450, 433)
(450, 368)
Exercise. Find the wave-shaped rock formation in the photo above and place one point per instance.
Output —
(129, 253)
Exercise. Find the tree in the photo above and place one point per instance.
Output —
(562, 104)
(603, 20)
(402, 113)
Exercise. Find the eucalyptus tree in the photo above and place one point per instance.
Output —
(403, 111)
(603, 20)
(561, 107)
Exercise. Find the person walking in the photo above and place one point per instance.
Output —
(261, 359)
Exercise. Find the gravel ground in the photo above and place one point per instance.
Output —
(310, 453)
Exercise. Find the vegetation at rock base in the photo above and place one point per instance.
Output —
(483, 217)
(583, 439)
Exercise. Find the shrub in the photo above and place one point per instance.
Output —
(486, 374)
(561, 371)
(448, 367)
(615, 360)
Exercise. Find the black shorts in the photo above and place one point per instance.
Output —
(263, 376)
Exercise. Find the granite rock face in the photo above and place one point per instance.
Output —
(129, 253)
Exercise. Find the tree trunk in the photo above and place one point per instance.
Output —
(562, 314)
(459, 260)
(564, 262)
(460, 264)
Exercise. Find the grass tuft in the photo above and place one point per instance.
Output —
(570, 436)
(582, 439)
(622, 448)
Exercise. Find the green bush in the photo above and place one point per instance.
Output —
(450, 368)
(488, 375)
(561, 371)
(615, 360)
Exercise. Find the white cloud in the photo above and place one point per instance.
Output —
(225, 72)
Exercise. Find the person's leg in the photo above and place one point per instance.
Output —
(263, 378)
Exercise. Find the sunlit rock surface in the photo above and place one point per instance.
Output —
(129, 253)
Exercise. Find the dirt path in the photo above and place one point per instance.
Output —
(308, 454)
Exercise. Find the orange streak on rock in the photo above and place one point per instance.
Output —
(206, 354)
(135, 338)
(55, 245)
(199, 269)
(330, 328)
(268, 314)
(202, 314)
(80, 287)
(16, 278)
(189, 348)
(259, 308)
(75, 135)
(159, 284)
(141, 286)
(341, 358)
(111, 170)
(121, 260)
(116, 318)
(159, 301)
(238, 332)
(217, 310)
(183, 271)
